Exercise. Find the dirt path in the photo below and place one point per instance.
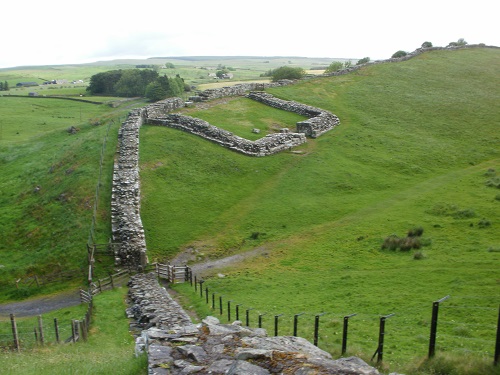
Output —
(41, 305)
(210, 266)
(44, 304)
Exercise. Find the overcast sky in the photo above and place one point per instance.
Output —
(52, 32)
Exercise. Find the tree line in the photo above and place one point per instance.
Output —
(136, 83)
(4, 86)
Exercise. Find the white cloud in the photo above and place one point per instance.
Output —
(61, 32)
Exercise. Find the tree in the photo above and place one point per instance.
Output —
(458, 43)
(104, 83)
(399, 53)
(221, 73)
(334, 66)
(347, 64)
(364, 60)
(133, 82)
(426, 45)
(287, 72)
(155, 91)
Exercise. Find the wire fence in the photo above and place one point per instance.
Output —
(459, 324)
(29, 332)
(92, 237)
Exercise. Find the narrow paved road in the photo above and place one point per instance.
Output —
(41, 305)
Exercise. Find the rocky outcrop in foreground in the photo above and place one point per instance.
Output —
(176, 346)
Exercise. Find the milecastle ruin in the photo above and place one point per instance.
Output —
(125, 200)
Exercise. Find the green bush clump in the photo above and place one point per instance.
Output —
(484, 223)
(411, 241)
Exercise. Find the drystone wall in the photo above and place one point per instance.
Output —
(126, 223)
(240, 89)
(174, 345)
(319, 122)
(408, 56)
(268, 145)
(127, 226)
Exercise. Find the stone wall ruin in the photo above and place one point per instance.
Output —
(127, 228)
(174, 345)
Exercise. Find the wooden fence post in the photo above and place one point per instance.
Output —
(40, 329)
(83, 329)
(73, 330)
(14, 332)
(112, 283)
(56, 330)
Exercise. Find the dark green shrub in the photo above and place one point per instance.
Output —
(464, 214)
(493, 182)
(398, 54)
(418, 255)
(416, 232)
(426, 45)
(364, 60)
(255, 235)
(409, 243)
(483, 223)
(287, 72)
(392, 242)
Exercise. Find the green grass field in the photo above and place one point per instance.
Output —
(417, 147)
(48, 186)
(109, 349)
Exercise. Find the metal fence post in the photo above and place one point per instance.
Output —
(434, 322)
(237, 312)
(381, 334)
(220, 304)
(248, 317)
(316, 328)
(344, 333)
(295, 323)
(229, 310)
(206, 294)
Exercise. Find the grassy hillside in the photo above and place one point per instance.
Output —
(417, 147)
(48, 185)
(110, 345)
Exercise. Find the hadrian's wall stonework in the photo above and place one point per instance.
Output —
(319, 122)
(174, 345)
(268, 145)
(127, 226)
